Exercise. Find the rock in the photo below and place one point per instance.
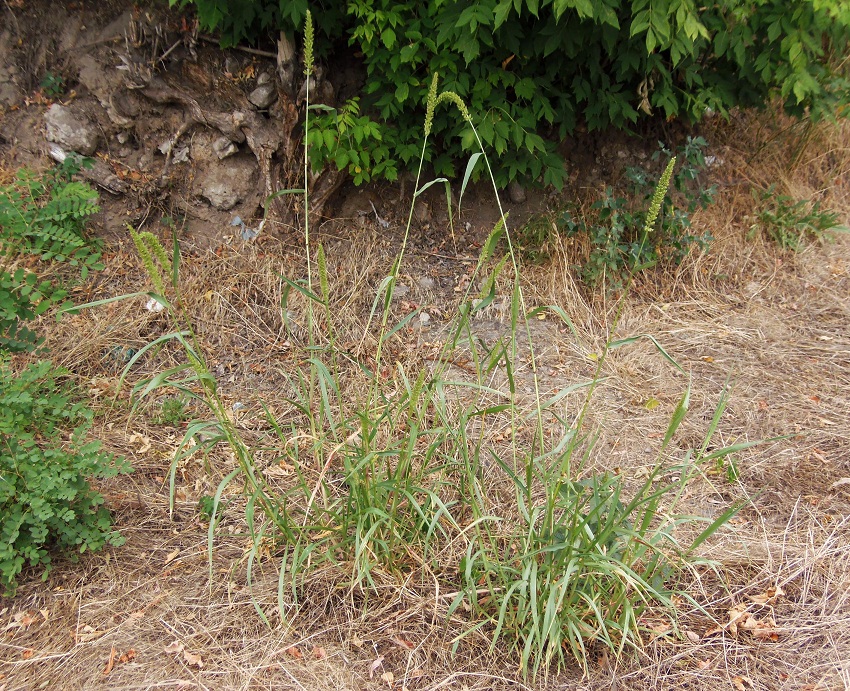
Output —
(424, 318)
(108, 86)
(426, 283)
(421, 212)
(263, 96)
(517, 193)
(400, 290)
(223, 148)
(227, 183)
(71, 130)
(264, 78)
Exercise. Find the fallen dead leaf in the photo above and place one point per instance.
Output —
(374, 666)
(742, 683)
(768, 596)
(388, 677)
(692, 636)
(174, 647)
(703, 664)
(171, 556)
(293, 651)
(404, 643)
(839, 483)
(109, 665)
(143, 442)
(736, 616)
(86, 633)
(27, 654)
(193, 660)
(22, 620)
(319, 652)
(129, 656)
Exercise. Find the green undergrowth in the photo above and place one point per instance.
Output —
(789, 222)
(42, 216)
(613, 228)
(385, 470)
(47, 505)
(535, 71)
(46, 502)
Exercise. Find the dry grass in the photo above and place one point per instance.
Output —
(777, 323)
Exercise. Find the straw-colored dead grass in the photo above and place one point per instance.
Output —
(776, 324)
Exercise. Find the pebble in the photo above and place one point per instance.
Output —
(263, 96)
(517, 193)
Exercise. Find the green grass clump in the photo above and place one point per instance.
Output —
(390, 465)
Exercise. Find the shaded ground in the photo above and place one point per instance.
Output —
(776, 324)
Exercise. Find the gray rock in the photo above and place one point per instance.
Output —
(223, 148)
(263, 96)
(71, 130)
(264, 78)
(426, 283)
(227, 183)
(517, 193)
(107, 85)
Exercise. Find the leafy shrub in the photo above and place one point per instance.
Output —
(532, 68)
(45, 499)
(42, 215)
(352, 142)
(614, 230)
(238, 20)
(788, 221)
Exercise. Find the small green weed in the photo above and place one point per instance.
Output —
(789, 222)
(531, 238)
(613, 228)
(52, 84)
(42, 215)
(172, 411)
(45, 498)
(353, 142)
(728, 468)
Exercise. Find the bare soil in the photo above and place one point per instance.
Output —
(776, 325)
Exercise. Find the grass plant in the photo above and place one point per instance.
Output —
(393, 481)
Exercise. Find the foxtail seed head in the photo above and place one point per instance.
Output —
(308, 45)
(149, 249)
(452, 97)
(658, 196)
(431, 104)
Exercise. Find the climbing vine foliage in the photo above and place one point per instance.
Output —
(535, 70)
